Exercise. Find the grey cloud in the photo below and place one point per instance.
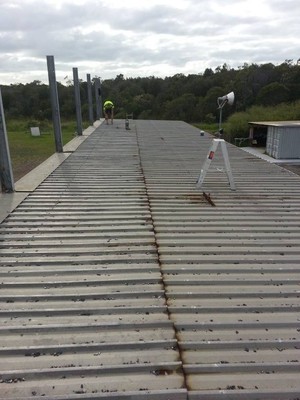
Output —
(159, 19)
(41, 17)
(200, 33)
(285, 6)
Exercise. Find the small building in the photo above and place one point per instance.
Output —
(280, 138)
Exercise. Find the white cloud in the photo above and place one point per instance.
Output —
(142, 38)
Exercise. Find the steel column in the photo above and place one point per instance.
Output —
(54, 105)
(77, 101)
(98, 98)
(90, 99)
(6, 174)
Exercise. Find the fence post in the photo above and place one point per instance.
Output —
(77, 101)
(98, 98)
(6, 174)
(54, 105)
(90, 98)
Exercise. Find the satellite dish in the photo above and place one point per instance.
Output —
(228, 98)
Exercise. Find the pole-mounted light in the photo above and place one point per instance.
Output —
(228, 98)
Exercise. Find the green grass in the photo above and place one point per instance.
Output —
(28, 151)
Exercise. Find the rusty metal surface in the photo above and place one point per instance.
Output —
(119, 279)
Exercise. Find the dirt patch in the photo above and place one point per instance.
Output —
(20, 170)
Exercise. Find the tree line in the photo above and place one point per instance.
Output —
(190, 98)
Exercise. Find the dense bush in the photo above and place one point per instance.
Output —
(191, 98)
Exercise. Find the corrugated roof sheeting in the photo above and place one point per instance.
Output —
(83, 310)
(231, 267)
(121, 280)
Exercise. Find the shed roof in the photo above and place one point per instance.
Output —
(290, 124)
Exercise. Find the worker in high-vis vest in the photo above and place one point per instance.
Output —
(108, 108)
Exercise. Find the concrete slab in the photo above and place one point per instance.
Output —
(30, 181)
(71, 146)
(260, 153)
(9, 201)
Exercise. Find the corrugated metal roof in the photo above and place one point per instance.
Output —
(119, 279)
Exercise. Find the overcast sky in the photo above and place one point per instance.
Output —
(142, 37)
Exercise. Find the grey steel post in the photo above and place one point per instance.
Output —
(77, 101)
(55, 105)
(90, 98)
(98, 98)
(6, 174)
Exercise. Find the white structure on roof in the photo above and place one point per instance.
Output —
(281, 138)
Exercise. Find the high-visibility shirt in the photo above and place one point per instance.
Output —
(108, 104)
